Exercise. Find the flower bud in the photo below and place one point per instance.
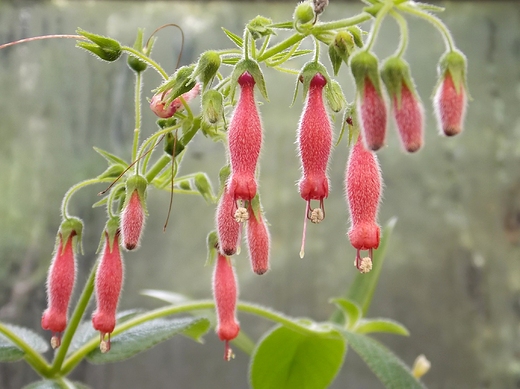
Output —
(225, 294)
(245, 141)
(258, 239)
(369, 100)
(303, 14)
(108, 284)
(60, 279)
(171, 142)
(134, 211)
(451, 95)
(344, 44)
(204, 187)
(105, 48)
(363, 186)
(212, 106)
(228, 228)
(259, 27)
(136, 64)
(406, 106)
(335, 98)
(207, 67)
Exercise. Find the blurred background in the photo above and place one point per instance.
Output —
(452, 275)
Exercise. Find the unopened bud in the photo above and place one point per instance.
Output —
(107, 49)
(212, 106)
(259, 27)
(303, 14)
(136, 64)
(207, 67)
(204, 187)
(421, 366)
(335, 98)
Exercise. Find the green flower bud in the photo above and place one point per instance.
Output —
(454, 62)
(258, 27)
(203, 185)
(344, 44)
(107, 49)
(135, 63)
(303, 14)
(335, 98)
(139, 183)
(223, 175)
(212, 242)
(179, 83)
(212, 106)
(335, 59)
(170, 143)
(207, 67)
(394, 72)
(184, 184)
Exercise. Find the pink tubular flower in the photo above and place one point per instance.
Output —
(60, 283)
(108, 283)
(245, 141)
(225, 294)
(450, 106)
(159, 107)
(315, 143)
(363, 186)
(258, 242)
(372, 108)
(409, 117)
(228, 228)
(132, 221)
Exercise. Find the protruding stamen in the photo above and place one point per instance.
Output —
(55, 341)
(316, 215)
(307, 209)
(241, 215)
(104, 345)
(365, 265)
(228, 352)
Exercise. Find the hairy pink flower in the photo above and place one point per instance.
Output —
(409, 117)
(372, 108)
(315, 143)
(108, 284)
(60, 283)
(132, 221)
(225, 294)
(450, 106)
(258, 242)
(159, 107)
(228, 228)
(245, 141)
(363, 186)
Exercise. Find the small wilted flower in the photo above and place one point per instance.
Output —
(134, 212)
(228, 228)
(60, 280)
(315, 143)
(370, 102)
(108, 284)
(161, 108)
(225, 294)
(258, 239)
(451, 95)
(245, 141)
(363, 186)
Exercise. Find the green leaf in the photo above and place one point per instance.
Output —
(48, 384)
(147, 335)
(351, 311)
(285, 359)
(366, 326)
(113, 171)
(392, 372)
(111, 158)
(198, 330)
(166, 296)
(234, 38)
(9, 352)
(362, 289)
(101, 202)
(86, 332)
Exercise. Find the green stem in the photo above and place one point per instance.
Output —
(434, 20)
(403, 26)
(363, 17)
(110, 199)
(283, 45)
(137, 102)
(76, 357)
(79, 311)
(264, 45)
(157, 167)
(316, 50)
(33, 358)
(377, 25)
(146, 59)
(74, 189)
(246, 44)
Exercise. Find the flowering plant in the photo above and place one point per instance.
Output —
(308, 353)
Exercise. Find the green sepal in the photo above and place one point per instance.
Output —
(234, 38)
(111, 230)
(203, 185)
(334, 95)
(394, 72)
(256, 206)
(170, 143)
(259, 27)
(179, 83)
(138, 183)
(335, 59)
(107, 49)
(113, 171)
(356, 35)
(212, 242)
(136, 64)
(250, 66)
(72, 226)
(212, 106)
(223, 175)
(166, 122)
(309, 70)
(364, 64)
(207, 67)
(111, 158)
(454, 62)
(344, 44)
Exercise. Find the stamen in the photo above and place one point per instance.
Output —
(307, 210)
(104, 345)
(241, 215)
(56, 340)
(316, 216)
(366, 265)
(228, 352)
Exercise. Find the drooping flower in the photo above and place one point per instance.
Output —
(225, 294)
(108, 284)
(450, 97)
(369, 99)
(363, 187)
(315, 143)
(134, 212)
(166, 110)
(245, 141)
(228, 228)
(60, 280)
(258, 239)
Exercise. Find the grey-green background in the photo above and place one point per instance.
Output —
(452, 274)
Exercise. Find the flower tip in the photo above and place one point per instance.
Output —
(55, 341)
(246, 79)
(228, 352)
